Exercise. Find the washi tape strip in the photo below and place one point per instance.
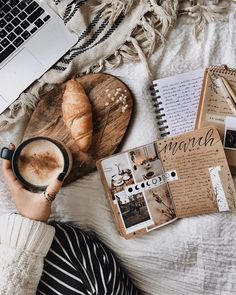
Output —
(218, 189)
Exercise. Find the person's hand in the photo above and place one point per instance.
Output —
(31, 205)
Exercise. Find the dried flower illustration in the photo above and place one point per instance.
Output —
(213, 85)
(169, 211)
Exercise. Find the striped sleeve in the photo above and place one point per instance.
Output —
(78, 263)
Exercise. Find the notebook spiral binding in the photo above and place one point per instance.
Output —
(159, 110)
(223, 69)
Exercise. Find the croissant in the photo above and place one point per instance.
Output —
(77, 114)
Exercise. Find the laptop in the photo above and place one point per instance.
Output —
(32, 38)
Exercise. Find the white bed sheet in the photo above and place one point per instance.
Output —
(191, 256)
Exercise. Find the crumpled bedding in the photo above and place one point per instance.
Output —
(194, 255)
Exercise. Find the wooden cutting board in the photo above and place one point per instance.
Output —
(112, 105)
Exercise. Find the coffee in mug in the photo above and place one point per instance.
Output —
(38, 161)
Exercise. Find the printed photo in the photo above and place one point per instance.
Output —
(230, 139)
(230, 133)
(117, 172)
(160, 205)
(145, 163)
(133, 209)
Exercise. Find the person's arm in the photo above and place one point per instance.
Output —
(23, 245)
(25, 238)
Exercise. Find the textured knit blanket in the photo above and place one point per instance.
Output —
(111, 32)
(193, 256)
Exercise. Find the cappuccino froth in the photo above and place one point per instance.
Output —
(40, 162)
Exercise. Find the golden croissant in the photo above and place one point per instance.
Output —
(77, 114)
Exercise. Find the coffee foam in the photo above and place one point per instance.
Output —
(40, 162)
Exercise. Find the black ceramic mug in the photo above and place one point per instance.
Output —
(37, 161)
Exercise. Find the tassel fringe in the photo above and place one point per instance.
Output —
(112, 9)
(205, 14)
(23, 106)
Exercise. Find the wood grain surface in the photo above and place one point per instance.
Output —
(112, 105)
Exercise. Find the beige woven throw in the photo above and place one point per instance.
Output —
(111, 32)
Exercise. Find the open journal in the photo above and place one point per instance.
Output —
(217, 107)
(152, 185)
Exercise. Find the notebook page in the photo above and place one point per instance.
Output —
(179, 96)
(203, 181)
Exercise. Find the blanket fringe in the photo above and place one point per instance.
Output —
(151, 30)
(203, 14)
(112, 9)
(24, 106)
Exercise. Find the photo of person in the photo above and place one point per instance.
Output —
(160, 205)
(145, 163)
(133, 209)
(230, 133)
(117, 172)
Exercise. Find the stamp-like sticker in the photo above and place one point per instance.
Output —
(215, 119)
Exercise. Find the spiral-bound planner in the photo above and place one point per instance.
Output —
(175, 100)
(217, 107)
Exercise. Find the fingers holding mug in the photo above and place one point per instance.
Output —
(6, 155)
(53, 188)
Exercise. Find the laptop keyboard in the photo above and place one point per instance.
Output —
(19, 20)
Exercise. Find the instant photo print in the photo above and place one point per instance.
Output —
(153, 185)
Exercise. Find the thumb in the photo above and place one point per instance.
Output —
(56, 185)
